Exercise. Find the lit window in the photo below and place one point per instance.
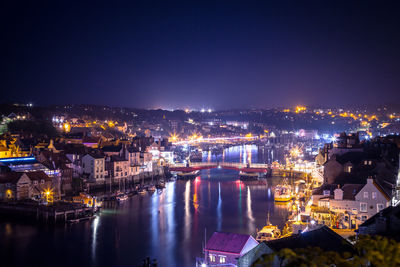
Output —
(212, 258)
(363, 207)
(365, 194)
(373, 195)
(222, 259)
(349, 169)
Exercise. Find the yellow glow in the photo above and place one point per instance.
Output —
(249, 135)
(111, 124)
(286, 110)
(173, 138)
(300, 109)
(67, 127)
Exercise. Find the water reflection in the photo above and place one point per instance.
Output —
(167, 225)
(170, 214)
(187, 211)
(219, 207)
(95, 226)
(250, 222)
(154, 219)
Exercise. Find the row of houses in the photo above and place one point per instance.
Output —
(64, 162)
(360, 180)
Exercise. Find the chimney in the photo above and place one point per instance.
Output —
(338, 194)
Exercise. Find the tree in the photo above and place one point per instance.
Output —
(370, 251)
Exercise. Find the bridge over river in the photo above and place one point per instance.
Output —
(249, 168)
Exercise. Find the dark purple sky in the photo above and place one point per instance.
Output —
(219, 54)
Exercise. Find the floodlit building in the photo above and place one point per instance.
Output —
(94, 167)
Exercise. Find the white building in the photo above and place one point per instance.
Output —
(94, 166)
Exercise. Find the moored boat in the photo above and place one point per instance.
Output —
(283, 192)
(268, 232)
(142, 191)
(121, 198)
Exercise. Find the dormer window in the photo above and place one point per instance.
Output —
(326, 192)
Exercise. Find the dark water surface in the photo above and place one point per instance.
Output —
(168, 225)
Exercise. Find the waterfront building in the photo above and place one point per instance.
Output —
(224, 249)
(117, 167)
(94, 166)
(23, 185)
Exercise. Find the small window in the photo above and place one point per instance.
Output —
(327, 192)
(222, 259)
(363, 207)
(212, 258)
(373, 195)
(35, 182)
(364, 218)
(379, 207)
(365, 194)
(42, 181)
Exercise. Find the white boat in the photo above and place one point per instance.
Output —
(283, 192)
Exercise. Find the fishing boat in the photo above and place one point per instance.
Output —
(283, 192)
(268, 232)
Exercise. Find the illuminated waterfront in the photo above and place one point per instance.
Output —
(167, 225)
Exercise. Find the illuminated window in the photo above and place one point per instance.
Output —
(373, 195)
(212, 258)
(222, 259)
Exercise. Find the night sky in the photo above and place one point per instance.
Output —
(217, 54)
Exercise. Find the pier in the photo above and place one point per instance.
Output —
(59, 212)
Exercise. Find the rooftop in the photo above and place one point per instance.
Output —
(227, 242)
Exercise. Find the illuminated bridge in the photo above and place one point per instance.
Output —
(190, 167)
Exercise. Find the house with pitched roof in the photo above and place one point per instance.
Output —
(224, 249)
(355, 203)
(23, 185)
